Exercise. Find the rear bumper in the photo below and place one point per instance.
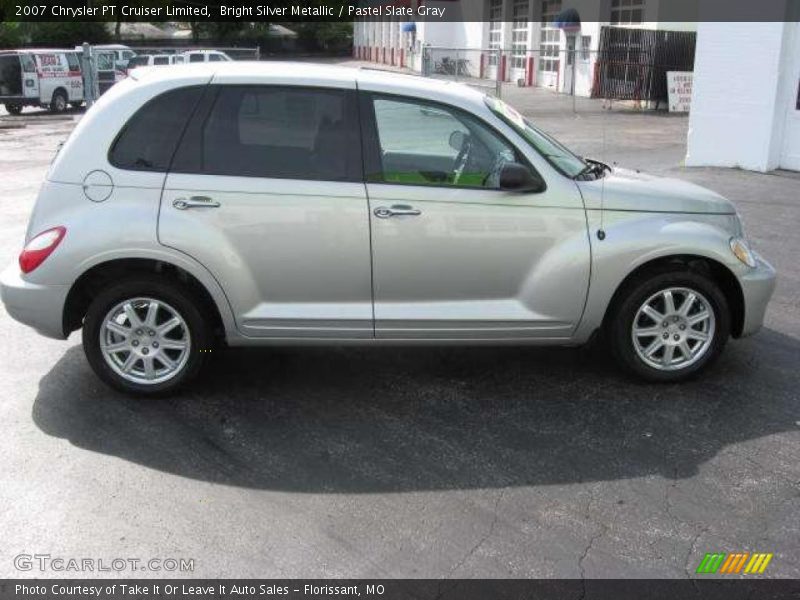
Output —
(38, 306)
(20, 100)
(757, 287)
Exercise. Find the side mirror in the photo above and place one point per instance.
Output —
(515, 177)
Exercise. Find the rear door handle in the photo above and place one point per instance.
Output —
(396, 210)
(195, 201)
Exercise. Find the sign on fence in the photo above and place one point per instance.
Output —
(679, 90)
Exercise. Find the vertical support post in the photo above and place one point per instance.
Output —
(482, 68)
(89, 78)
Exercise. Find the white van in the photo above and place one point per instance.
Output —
(40, 77)
(155, 60)
(122, 54)
(193, 56)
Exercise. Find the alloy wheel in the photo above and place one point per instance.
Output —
(673, 328)
(145, 341)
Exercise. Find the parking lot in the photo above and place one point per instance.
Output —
(415, 462)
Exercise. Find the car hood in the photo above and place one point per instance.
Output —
(630, 190)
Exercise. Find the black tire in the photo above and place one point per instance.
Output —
(633, 296)
(14, 109)
(166, 291)
(58, 103)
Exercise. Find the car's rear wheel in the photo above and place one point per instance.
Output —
(14, 109)
(58, 103)
(146, 336)
(670, 325)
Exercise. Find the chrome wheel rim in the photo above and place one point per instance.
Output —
(673, 328)
(145, 341)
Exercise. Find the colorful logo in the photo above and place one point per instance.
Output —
(734, 563)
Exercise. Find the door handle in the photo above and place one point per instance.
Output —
(195, 201)
(396, 210)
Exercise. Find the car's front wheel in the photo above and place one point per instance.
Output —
(145, 336)
(670, 325)
(14, 109)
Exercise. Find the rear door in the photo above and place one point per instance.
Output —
(266, 190)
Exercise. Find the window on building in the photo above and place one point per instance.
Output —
(627, 12)
(274, 132)
(519, 34)
(148, 139)
(495, 30)
(550, 40)
(586, 47)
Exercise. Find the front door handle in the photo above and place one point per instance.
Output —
(396, 210)
(195, 201)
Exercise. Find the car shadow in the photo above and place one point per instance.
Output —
(359, 420)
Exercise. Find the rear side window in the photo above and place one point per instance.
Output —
(148, 140)
(161, 60)
(137, 61)
(275, 132)
(195, 58)
(215, 57)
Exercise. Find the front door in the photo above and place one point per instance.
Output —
(453, 256)
(266, 191)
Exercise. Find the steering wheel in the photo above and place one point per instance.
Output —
(462, 159)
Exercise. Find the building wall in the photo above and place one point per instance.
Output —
(746, 80)
(475, 35)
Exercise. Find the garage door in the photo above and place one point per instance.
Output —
(790, 158)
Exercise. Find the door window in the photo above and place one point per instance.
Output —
(275, 132)
(195, 58)
(429, 144)
(148, 140)
(214, 57)
(161, 60)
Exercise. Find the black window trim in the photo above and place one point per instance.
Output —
(371, 140)
(206, 104)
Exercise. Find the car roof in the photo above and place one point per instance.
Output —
(319, 75)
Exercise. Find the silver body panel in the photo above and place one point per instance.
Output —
(294, 261)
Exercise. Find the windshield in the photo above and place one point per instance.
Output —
(553, 151)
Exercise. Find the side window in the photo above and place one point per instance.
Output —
(195, 58)
(28, 64)
(72, 61)
(214, 57)
(148, 140)
(161, 60)
(275, 131)
(429, 144)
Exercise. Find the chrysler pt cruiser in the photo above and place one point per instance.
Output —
(267, 203)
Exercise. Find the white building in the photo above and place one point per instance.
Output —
(746, 96)
(515, 37)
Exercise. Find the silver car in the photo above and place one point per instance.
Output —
(259, 204)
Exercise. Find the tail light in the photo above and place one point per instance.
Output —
(40, 247)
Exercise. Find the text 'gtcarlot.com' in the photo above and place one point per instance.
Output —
(47, 562)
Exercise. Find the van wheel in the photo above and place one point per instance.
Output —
(146, 336)
(670, 325)
(14, 109)
(58, 103)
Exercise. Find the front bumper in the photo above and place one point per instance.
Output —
(35, 305)
(757, 287)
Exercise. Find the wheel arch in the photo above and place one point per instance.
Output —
(95, 277)
(709, 267)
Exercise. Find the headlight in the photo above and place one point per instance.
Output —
(742, 251)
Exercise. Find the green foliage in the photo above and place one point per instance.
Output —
(326, 36)
(61, 34)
